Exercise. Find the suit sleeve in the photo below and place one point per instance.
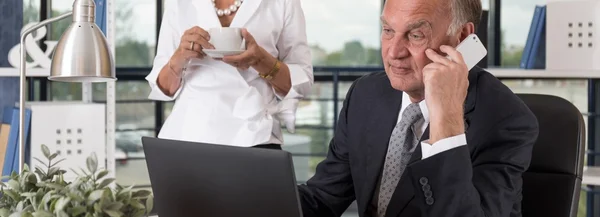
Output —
(330, 191)
(451, 183)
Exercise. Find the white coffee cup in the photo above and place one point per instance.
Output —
(227, 39)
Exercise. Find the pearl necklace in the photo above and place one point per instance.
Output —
(224, 12)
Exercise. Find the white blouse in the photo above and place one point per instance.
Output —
(220, 104)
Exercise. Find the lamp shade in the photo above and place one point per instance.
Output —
(82, 53)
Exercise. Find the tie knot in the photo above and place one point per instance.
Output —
(412, 113)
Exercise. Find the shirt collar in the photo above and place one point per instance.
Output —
(422, 105)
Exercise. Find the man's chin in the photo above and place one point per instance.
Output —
(406, 85)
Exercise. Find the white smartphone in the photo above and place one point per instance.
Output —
(472, 50)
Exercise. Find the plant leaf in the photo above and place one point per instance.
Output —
(83, 172)
(52, 171)
(75, 197)
(139, 213)
(92, 163)
(46, 151)
(55, 186)
(25, 167)
(115, 206)
(2, 184)
(4, 212)
(75, 211)
(97, 207)
(15, 214)
(95, 196)
(38, 160)
(28, 194)
(136, 204)
(113, 213)
(106, 182)
(76, 173)
(141, 194)
(57, 162)
(101, 174)
(61, 203)
(34, 203)
(42, 213)
(12, 194)
(52, 156)
(149, 204)
(20, 206)
(32, 179)
(45, 200)
(41, 173)
(62, 214)
(14, 185)
(28, 209)
(124, 196)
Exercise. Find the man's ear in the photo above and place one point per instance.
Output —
(467, 29)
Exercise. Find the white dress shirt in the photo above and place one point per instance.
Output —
(217, 103)
(442, 145)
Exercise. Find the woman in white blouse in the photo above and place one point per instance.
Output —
(239, 100)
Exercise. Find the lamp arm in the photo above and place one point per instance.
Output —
(22, 70)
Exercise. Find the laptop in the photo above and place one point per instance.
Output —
(198, 179)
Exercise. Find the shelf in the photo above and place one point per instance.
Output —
(32, 72)
(543, 73)
(591, 176)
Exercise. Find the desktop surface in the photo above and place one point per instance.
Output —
(196, 179)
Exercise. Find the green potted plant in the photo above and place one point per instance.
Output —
(44, 193)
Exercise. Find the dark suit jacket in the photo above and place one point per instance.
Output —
(482, 178)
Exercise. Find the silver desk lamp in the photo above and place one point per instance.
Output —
(82, 55)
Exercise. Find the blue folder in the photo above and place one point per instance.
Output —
(531, 37)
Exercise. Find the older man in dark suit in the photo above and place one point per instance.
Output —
(427, 137)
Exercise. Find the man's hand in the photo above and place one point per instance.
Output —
(446, 82)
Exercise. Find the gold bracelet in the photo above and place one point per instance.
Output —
(273, 71)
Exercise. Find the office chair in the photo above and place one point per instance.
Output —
(552, 184)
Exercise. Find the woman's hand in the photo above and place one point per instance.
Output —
(253, 55)
(193, 41)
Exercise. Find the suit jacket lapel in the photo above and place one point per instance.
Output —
(377, 136)
(245, 12)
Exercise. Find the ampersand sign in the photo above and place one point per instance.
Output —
(39, 57)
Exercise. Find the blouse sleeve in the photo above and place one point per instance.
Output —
(168, 41)
(295, 52)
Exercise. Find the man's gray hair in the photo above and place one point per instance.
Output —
(464, 11)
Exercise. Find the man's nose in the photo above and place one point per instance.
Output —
(398, 49)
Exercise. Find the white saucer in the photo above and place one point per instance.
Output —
(221, 53)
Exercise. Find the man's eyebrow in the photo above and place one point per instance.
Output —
(417, 24)
(383, 20)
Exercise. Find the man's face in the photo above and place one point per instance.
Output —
(409, 27)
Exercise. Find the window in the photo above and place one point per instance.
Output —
(515, 21)
(354, 40)
(135, 116)
(135, 33)
(31, 11)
